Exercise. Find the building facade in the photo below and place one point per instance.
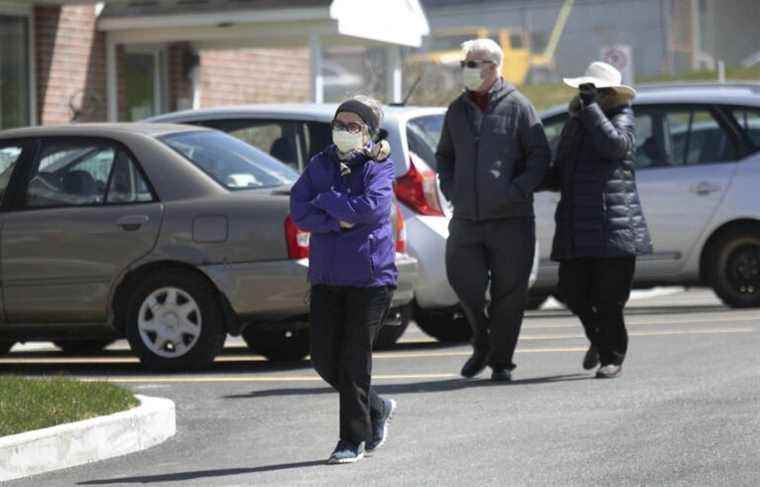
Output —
(83, 61)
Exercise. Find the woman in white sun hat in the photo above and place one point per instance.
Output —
(600, 225)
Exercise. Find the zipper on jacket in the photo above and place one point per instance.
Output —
(475, 177)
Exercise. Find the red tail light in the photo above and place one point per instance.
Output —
(400, 232)
(419, 190)
(297, 240)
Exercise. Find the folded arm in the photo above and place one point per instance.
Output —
(370, 207)
(304, 213)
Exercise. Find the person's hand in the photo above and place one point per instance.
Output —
(588, 93)
(345, 225)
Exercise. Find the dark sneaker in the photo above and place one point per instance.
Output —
(591, 359)
(346, 452)
(475, 365)
(609, 371)
(501, 374)
(380, 426)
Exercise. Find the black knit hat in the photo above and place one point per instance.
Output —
(365, 112)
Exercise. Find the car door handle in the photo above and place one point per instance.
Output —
(704, 188)
(131, 223)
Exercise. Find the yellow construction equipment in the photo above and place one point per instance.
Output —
(519, 59)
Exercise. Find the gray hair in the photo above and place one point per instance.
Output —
(485, 45)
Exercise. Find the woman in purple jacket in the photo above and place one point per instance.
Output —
(344, 199)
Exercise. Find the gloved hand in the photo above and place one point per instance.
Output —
(588, 93)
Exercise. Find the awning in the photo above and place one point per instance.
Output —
(264, 23)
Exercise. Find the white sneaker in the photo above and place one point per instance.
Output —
(609, 371)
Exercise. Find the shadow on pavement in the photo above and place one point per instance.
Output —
(199, 474)
(416, 387)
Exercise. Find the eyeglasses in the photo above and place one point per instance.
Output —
(350, 127)
(474, 64)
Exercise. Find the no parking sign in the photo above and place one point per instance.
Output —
(620, 56)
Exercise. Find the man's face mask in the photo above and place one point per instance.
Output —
(471, 78)
(471, 72)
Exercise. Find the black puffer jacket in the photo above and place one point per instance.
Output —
(599, 213)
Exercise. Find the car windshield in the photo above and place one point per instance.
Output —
(423, 134)
(231, 162)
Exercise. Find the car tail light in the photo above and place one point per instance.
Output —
(297, 240)
(419, 190)
(400, 232)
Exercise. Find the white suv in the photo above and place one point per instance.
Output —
(295, 132)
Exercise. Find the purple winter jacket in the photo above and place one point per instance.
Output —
(364, 255)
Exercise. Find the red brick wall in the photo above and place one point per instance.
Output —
(71, 70)
(180, 86)
(230, 77)
(70, 65)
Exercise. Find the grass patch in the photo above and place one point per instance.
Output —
(30, 404)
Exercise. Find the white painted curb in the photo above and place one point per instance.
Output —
(71, 444)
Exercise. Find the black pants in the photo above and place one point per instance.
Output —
(500, 252)
(344, 324)
(596, 290)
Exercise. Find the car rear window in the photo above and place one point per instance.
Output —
(423, 134)
(229, 161)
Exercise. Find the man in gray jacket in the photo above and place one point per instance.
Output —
(492, 154)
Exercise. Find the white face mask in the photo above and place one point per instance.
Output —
(346, 141)
(472, 79)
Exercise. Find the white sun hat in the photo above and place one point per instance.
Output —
(602, 75)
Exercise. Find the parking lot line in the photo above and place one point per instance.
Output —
(385, 355)
(650, 322)
(253, 378)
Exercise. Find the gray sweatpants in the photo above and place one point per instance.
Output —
(499, 252)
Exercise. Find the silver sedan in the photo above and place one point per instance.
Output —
(171, 236)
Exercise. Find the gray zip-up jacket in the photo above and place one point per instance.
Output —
(489, 163)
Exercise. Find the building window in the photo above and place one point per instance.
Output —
(14, 72)
(145, 83)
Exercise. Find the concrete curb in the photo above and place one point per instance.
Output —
(71, 444)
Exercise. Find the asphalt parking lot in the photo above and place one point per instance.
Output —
(683, 413)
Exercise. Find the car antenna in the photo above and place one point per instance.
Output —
(408, 93)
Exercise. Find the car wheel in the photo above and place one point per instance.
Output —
(443, 325)
(5, 347)
(389, 334)
(278, 345)
(174, 322)
(734, 271)
(82, 347)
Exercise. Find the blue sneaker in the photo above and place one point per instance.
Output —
(346, 452)
(380, 425)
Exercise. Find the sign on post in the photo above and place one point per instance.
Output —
(620, 56)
